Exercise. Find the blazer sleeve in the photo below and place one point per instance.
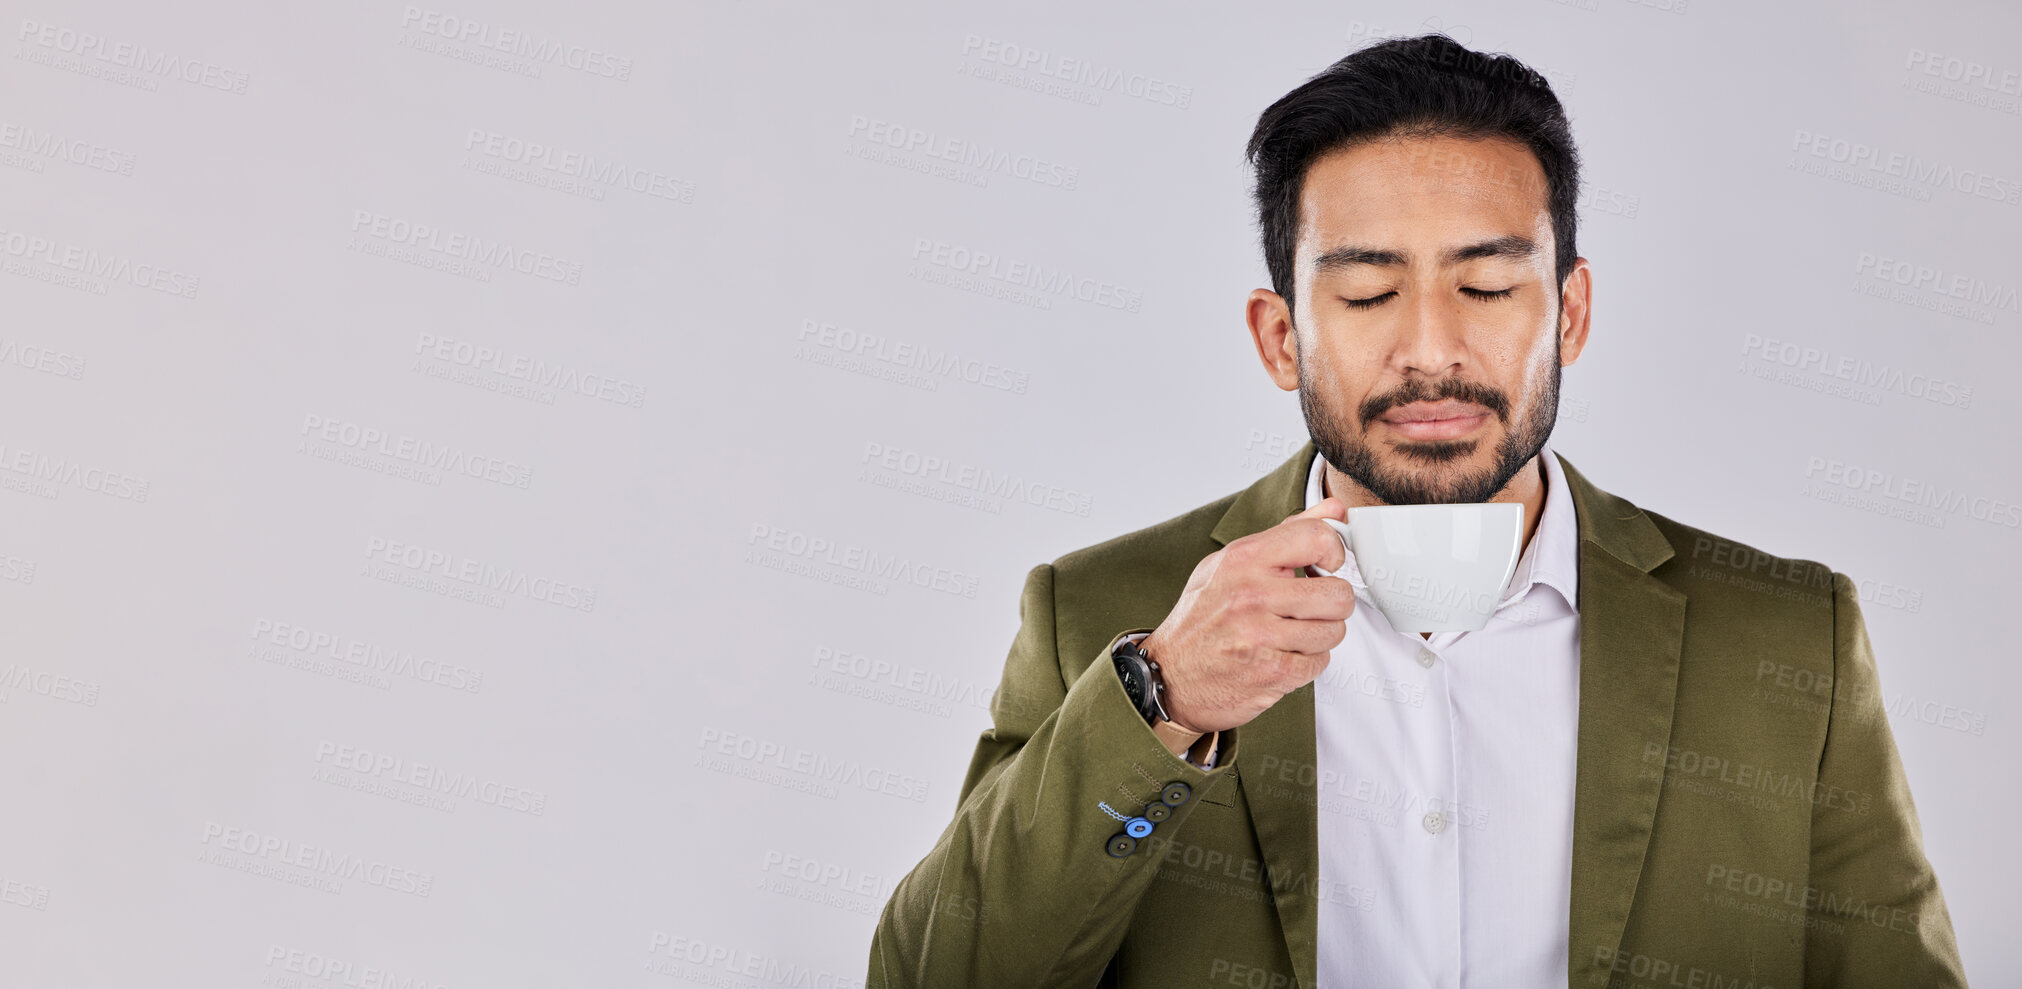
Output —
(1876, 916)
(1021, 889)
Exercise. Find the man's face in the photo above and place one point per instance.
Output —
(1427, 315)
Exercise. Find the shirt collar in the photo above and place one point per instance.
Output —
(1551, 558)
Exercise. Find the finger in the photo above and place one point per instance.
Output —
(1305, 636)
(1300, 668)
(1328, 507)
(1325, 598)
(1289, 545)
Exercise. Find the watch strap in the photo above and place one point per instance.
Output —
(1172, 734)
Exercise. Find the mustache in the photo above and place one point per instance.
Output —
(1415, 390)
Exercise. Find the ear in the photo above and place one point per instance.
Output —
(1576, 300)
(1277, 343)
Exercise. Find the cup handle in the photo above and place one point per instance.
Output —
(1340, 529)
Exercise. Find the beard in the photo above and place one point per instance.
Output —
(1439, 478)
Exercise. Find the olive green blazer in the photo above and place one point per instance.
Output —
(1741, 818)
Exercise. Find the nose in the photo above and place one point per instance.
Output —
(1432, 337)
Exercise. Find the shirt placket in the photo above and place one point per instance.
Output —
(1433, 822)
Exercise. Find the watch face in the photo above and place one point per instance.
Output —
(1133, 683)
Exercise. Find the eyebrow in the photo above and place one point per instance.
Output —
(1511, 247)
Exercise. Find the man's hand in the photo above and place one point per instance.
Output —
(1248, 630)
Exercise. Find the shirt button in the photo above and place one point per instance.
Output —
(1435, 822)
(1426, 657)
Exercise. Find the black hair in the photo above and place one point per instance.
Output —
(1425, 86)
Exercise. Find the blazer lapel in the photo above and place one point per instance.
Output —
(1285, 817)
(1631, 627)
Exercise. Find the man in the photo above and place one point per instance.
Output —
(1664, 762)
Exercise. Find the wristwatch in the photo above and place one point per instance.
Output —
(1140, 674)
(1145, 687)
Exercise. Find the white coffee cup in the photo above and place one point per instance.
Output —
(1433, 568)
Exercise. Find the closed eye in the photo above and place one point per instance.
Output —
(1478, 293)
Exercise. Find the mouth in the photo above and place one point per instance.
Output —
(1442, 420)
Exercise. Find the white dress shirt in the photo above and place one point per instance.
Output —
(1445, 772)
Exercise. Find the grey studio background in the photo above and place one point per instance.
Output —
(515, 494)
